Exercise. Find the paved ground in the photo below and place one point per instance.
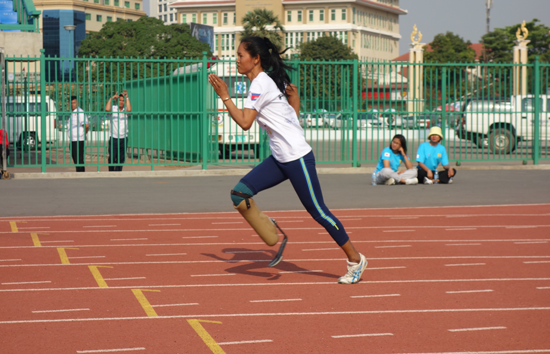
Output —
(94, 196)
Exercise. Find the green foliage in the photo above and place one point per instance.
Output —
(499, 43)
(255, 24)
(448, 48)
(321, 81)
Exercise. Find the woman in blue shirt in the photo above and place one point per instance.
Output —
(429, 155)
(390, 159)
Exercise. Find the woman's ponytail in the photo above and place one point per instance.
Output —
(271, 60)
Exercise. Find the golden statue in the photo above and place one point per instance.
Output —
(522, 29)
(414, 32)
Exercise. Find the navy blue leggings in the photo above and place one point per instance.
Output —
(303, 176)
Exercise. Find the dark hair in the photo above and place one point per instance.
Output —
(270, 59)
(73, 98)
(402, 140)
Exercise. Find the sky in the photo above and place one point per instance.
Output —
(465, 18)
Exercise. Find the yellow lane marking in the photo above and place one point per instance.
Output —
(97, 275)
(36, 240)
(13, 225)
(138, 293)
(63, 254)
(205, 336)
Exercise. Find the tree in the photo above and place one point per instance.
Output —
(255, 23)
(499, 43)
(448, 48)
(321, 83)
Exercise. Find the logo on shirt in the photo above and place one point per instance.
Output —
(417, 155)
(438, 155)
(254, 96)
(387, 154)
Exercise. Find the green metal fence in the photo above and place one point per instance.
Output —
(349, 110)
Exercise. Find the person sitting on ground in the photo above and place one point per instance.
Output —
(429, 155)
(390, 159)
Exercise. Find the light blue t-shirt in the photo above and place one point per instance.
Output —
(388, 154)
(432, 156)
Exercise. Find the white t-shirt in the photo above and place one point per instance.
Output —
(78, 125)
(119, 123)
(278, 119)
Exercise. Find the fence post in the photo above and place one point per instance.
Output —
(204, 121)
(43, 112)
(536, 131)
(444, 105)
(4, 124)
(355, 107)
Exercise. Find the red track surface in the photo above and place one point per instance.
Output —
(439, 280)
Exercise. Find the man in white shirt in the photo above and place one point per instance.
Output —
(119, 129)
(78, 129)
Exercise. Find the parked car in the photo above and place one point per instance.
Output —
(314, 119)
(330, 120)
(364, 120)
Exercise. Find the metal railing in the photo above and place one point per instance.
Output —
(350, 110)
(27, 17)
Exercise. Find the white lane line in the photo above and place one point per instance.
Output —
(129, 239)
(29, 228)
(164, 224)
(167, 254)
(244, 251)
(522, 227)
(392, 246)
(475, 329)
(320, 249)
(383, 268)
(100, 226)
(464, 229)
(124, 278)
(469, 291)
(276, 300)
(526, 351)
(212, 275)
(9, 260)
(463, 244)
(405, 218)
(67, 310)
(86, 257)
(349, 219)
(528, 242)
(536, 262)
(363, 335)
(398, 231)
(365, 296)
(170, 305)
(108, 350)
(463, 264)
(247, 342)
(269, 314)
(301, 271)
(543, 287)
(199, 236)
(55, 241)
(27, 282)
(227, 222)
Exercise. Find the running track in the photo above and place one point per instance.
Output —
(440, 280)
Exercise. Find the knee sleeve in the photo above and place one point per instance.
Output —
(258, 220)
(241, 188)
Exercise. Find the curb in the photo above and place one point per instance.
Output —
(236, 172)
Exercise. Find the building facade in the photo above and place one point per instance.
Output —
(162, 10)
(369, 27)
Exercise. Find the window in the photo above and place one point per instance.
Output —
(109, 19)
(322, 15)
(171, 17)
(96, 1)
(118, 18)
(310, 15)
(127, 4)
(344, 12)
(204, 19)
(353, 15)
(299, 15)
(225, 16)
(137, 6)
(88, 17)
(289, 16)
(184, 18)
(117, 3)
(165, 18)
(234, 17)
(105, 2)
(216, 45)
(160, 8)
(165, 8)
(99, 18)
(333, 15)
(194, 18)
(214, 18)
(160, 17)
(129, 20)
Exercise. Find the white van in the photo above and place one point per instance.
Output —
(24, 121)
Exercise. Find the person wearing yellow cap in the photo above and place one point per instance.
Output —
(429, 155)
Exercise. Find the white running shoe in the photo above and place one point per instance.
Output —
(355, 270)
(390, 182)
(411, 181)
(450, 180)
(427, 181)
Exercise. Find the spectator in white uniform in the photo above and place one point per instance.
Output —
(78, 129)
(119, 129)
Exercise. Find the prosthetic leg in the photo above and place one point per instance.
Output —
(264, 226)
